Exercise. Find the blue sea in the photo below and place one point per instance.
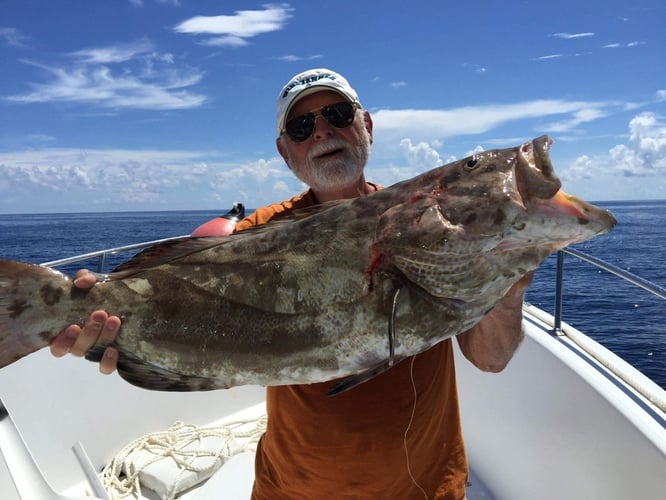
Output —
(624, 318)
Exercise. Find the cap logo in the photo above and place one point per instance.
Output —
(307, 81)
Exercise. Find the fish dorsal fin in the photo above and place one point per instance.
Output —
(281, 219)
(176, 248)
(301, 213)
(163, 253)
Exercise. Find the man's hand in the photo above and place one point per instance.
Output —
(100, 328)
(490, 344)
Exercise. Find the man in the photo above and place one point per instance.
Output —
(395, 436)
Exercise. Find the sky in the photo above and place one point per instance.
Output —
(118, 105)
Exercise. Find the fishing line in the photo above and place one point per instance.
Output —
(409, 425)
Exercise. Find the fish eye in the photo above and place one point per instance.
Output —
(471, 163)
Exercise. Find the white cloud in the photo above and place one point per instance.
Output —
(110, 179)
(282, 187)
(557, 56)
(477, 68)
(13, 37)
(578, 117)
(228, 41)
(399, 85)
(63, 169)
(234, 30)
(421, 154)
(129, 75)
(295, 58)
(584, 167)
(426, 124)
(121, 52)
(617, 45)
(139, 3)
(259, 178)
(645, 155)
(568, 36)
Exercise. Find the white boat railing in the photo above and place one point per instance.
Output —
(648, 392)
(634, 279)
(101, 255)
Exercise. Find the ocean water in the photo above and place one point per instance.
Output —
(622, 317)
(629, 321)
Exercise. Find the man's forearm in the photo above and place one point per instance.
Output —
(490, 344)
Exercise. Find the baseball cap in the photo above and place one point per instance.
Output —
(309, 82)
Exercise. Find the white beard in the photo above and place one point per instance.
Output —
(342, 169)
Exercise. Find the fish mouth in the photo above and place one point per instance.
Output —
(540, 191)
(572, 206)
(540, 188)
(535, 176)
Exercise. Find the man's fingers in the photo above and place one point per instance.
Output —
(109, 361)
(89, 333)
(84, 279)
(110, 330)
(61, 344)
(100, 329)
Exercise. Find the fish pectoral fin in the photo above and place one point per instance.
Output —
(146, 375)
(359, 378)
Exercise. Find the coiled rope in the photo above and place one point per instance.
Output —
(183, 444)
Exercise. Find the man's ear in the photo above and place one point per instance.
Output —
(282, 149)
(367, 120)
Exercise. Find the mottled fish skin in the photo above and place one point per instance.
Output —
(307, 298)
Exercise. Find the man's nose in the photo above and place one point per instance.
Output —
(322, 128)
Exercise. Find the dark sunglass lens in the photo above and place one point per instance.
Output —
(299, 129)
(340, 115)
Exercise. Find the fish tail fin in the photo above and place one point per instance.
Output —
(28, 295)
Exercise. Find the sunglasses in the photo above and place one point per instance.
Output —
(339, 115)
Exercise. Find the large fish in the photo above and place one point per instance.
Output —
(342, 289)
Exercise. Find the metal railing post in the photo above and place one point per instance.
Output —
(100, 263)
(557, 323)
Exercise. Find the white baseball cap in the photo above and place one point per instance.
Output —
(309, 82)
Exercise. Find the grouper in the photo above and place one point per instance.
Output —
(343, 289)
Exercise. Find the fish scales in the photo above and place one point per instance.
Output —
(307, 298)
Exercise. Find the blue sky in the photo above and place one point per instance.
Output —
(118, 105)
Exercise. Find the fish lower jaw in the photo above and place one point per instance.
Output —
(509, 245)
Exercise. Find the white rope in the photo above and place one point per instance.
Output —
(183, 444)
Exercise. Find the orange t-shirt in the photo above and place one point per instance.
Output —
(371, 442)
